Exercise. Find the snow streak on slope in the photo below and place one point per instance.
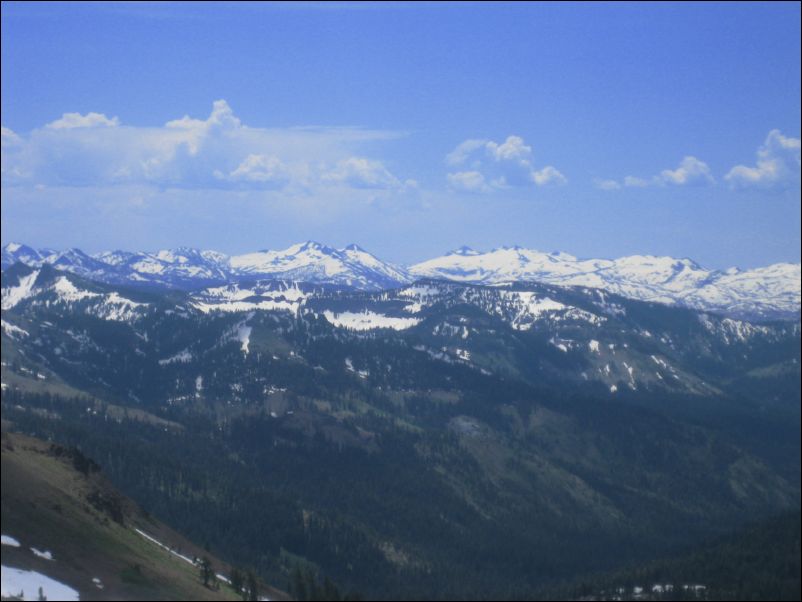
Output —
(13, 295)
(368, 320)
(267, 295)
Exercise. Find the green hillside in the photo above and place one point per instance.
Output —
(55, 499)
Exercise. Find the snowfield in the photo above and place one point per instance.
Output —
(18, 581)
(368, 320)
(7, 540)
(13, 295)
(13, 331)
(762, 291)
(268, 295)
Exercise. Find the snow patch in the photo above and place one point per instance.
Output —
(67, 291)
(13, 295)
(232, 298)
(368, 320)
(244, 336)
(46, 554)
(27, 583)
(13, 331)
(165, 547)
(183, 357)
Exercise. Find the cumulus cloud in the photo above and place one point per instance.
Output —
(69, 121)
(360, 172)
(11, 145)
(512, 149)
(690, 172)
(548, 175)
(9, 138)
(635, 182)
(217, 152)
(258, 169)
(778, 165)
(468, 181)
(489, 165)
(464, 150)
(607, 185)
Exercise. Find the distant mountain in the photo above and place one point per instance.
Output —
(762, 293)
(186, 268)
(14, 252)
(169, 267)
(767, 293)
(313, 262)
(531, 331)
(48, 286)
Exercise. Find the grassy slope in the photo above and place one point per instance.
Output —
(45, 504)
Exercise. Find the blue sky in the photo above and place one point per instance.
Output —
(598, 129)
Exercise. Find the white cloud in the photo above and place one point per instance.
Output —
(259, 169)
(360, 172)
(778, 165)
(496, 166)
(213, 153)
(468, 181)
(633, 182)
(548, 175)
(460, 154)
(11, 146)
(9, 138)
(69, 121)
(221, 117)
(690, 172)
(607, 185)
(512, 149)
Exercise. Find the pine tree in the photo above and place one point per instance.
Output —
(206, 571)
(252, 587)
(297, 585)
(236, 580)
(330, 591)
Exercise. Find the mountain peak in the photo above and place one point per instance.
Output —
(464, 251)
(301, 247)
(508, 248)
(13, 247)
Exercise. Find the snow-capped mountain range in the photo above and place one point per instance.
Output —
(767, 292)
(762, 293)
